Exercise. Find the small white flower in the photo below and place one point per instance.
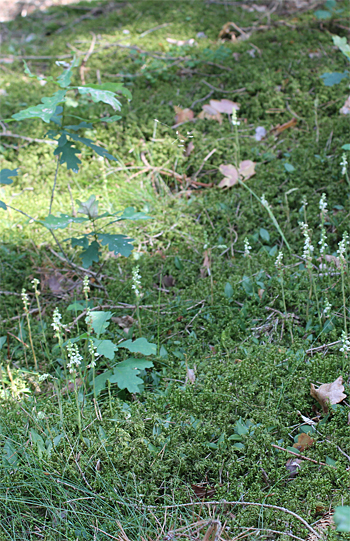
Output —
(93, 352)
(345, 339)
(342, 248)
(25, 299)
(308, 248)
(323, 204)
(344, 164)
(86, 287)
(136, 281)
(304, 202)
(74, 357)
(56, 321)
(327, 308)
(278, 262)
(247, 248)
(322, 242)
(235, 122)
(265, 202)
(155, 120)
(44, 377)
(35, 283)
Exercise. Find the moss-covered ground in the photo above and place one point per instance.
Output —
(147, 463)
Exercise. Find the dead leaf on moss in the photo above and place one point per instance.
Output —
(203, 490)
(210, 113)
(331, 259)
(205, 269)
(191, 374)
(304, 442)
(124, 322)
(224, 106)
(329, 393)
(183, 115)
(281, 127)
(345, 110)
(246, 170)
(293, 465)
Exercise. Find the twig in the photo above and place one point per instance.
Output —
(20, 57)
(86, 58)
(239, 90)
(224, 502)
(301, 456)
(66, 260)
(153, 29)
(202, 99)
(54, 184)
(108, 534)
(29, 139)
(320, 348)
(275, 531)
(203, 162)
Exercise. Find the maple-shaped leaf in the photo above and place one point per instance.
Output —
(329, 393)
(5, 175)
(119, 244)
(112, 87)
(183, 115)
(45, 110)
(246, 170)
(91, 254)
(97, 95)
(99, 150)
(210, 113)
(224, 106)
(65, 77)
(68, 156)
(89, 207)
(125, 375)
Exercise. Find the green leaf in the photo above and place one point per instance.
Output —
(334, 78)
(81, 125)
(330, 4)
(119, 244)
(83, 242)
(10, 456)
(342, 44)
(330, 460)
(140, 345)
(264, 234)
(2, 340)
(289, 167)
(100, 381)
(3, 205)
(61, 221)
(322, 14)
(68, 156)
(110, 119)
(91, 254)
(346, 147)
(76, 307)
(113, 87)
(64, 79)
(228, 291)
(177, 263)
(57, 116)
(99, 321)
(98, 95)
(125, 374)
(238, 445)
(240, 428)
(89, 207)
(342, 518)
(247, 285)
(38, 441)
(100, 151)
(5, 175)
(105, 348)
(44, 110)
(131, 214)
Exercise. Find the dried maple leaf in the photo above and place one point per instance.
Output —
(329, 393)
(304, 442)
(183, 115)
(246, 170)
(210, 113)
(224, 106)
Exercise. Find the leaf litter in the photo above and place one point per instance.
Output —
(329, 393)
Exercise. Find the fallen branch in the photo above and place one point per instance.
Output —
(320, 348)
(301, 456)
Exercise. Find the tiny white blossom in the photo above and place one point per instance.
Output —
(93, 352)
(136, 281)
(322, 242)
(56, 321)
(24, 299)
(342, 248)
(235, 122)
(278, 262)
(44, 377)
(344, 164)
(265, 202)
(323, 203)
(247, 248)
(74, 357)
(327, 308)
(304, 202)
(308, 248)
(86, 287)
(35, 283)
(345, 340)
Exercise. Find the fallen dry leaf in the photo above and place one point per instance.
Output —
(205, 269)
(224, 106)
(246, 170)
(345, 110)
(261, 293)
(210, 113)
(124, 322)
(329, 393)
(260, 133)
(168, 281)
(293, 465)
(330, 259)
(203, 490)
(189, 149)
(304, 442)
(183, 115)
(191, 374)
(281, 127)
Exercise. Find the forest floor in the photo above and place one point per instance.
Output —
(221, 425)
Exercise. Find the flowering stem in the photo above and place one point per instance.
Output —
(285, 307)
(78, 407)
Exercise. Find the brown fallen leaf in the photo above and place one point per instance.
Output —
(227, 33)
(205, 269)
(293, 465)
(246, 170)
(261, 293)
(304, 442)
(330, 259)
(224, 106)
(189, 149)
(203, 490)
(191, 374)
(168, 281)
(210, 113)
(183, 115)
(345, 110)
(281, 127)
(124, 322)
(329, 393)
